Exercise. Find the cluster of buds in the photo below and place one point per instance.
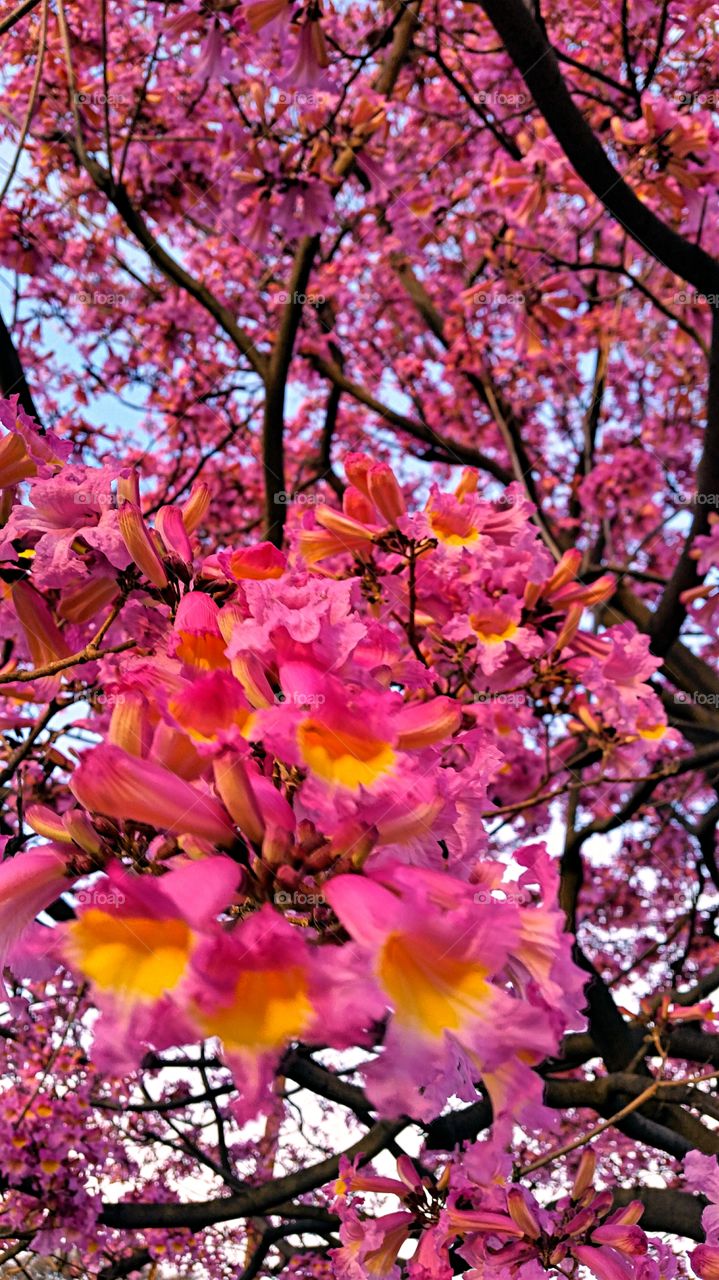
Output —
(168, 546)
(563, 594)
(371, 506)
(499, 1238)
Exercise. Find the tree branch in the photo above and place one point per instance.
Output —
(671, 612)
(455, 451)
(535, 59)
(247, 1204)
(12, 375)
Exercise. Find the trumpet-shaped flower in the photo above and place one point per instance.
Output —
(122, 786)
(440, 958)
(26, 450)
(29, 882)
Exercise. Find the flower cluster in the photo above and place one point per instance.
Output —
(281, 836)
(497, 1228)
(53, 1149)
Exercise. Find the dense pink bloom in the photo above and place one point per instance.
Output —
(28, 882)
(439, 952)
(119, 785)
(26, 450)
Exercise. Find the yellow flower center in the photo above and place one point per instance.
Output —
(204, 721)
(341, 757)
(269, 1007)
(485, 629)
(431, 992)
(453, 530)
(133, 956)
(203, 649)
(652, 732)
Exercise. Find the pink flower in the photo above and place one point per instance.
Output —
(702, 1175)
(133, 940)
(256, 990)
(705, 1261)
(212, 709)
(140, 545)
(307, 71)
(26, 450)
(435, 954)
(122, 786)
(215, 61)
(603, 1262)
(170, 525)
(198, 640)
(68, 513)
(29, 882)
(259, 562)
(305, 208)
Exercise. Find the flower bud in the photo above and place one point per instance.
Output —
(522, 1213)
(584, 1177)
(136, 536)
(385, 492)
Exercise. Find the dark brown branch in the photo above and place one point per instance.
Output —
(135, 223)
(703, 758)
(125, 1266)
(671, 612)
(662, 1124)
(27, 6)
(273, 1234)
(246, 1204)
(681, 667)
(535, 59)
(273, 452)
(454, 452)
(273, 431)
(12, 375)
(490, 395)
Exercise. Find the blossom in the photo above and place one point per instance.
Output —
(69, 516)
(115, 783)
(212, 708)
(29, 882)
(311, 59)
(198, 639)
(438, 957)
(140, 545)
(702, 1174)
(26, 450)
(135, 944)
